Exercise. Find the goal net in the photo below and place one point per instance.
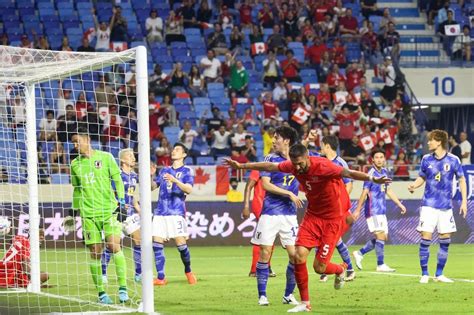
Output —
(46, 97)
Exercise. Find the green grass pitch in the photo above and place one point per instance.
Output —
(224, 287)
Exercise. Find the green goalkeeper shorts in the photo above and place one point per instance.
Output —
(94, 228)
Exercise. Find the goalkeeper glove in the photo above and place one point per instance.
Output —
(69, 224)
(122, 210)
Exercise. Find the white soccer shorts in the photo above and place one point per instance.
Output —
(378, 223)
(431, 218)
(286, 226)
(131, 224)
(169, 226)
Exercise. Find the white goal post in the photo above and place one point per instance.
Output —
(22, 75)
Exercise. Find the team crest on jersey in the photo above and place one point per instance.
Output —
(447, 167)
(98, 164)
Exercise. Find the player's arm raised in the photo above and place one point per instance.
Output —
(248, 189)
(361, 201)
(258, 166)
(463, 189)
(391, 195)
(356, 175)
(186, 188)
(271, 188)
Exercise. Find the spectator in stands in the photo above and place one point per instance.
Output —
(225, 67)
(291, 67)
(154, 121)
(104, 94)
(333, 78)
(236, 39)
(42, 43)
(323, 99)
(270, 107)
(443, 13)
(112, 129)
(238, 138)
(400, 166)
(4, 174)
(466, 148)
(119, 29)
(239, 80)
(232, 122)
(186, 136)
(163, 153)
(204, 14)
(328, 27)
(245, 11)
(270, 68)
(347, 124)
(256, 36)
(454, 147)
(267, 136)
(462, 45)
(211, 67)
(188, 13)
(233, 195)
(370, 47)
(386, 19)
(178, 79)
(354, 72)
(154, 27)
(64, 99)
(167, 111)
(249, 118)
(319, 119)
(338, 53)
(48, 127)
(276, 41)
(290, 26)
(217, 41)
(238, 156)
(307, 31)
(340, 97)
(391, 42)
(81, 106)
(65, 45)
(57, 159)
(67, 124)
(353, 153)
(174, 28)
(225, 18)
(339, 11)
(220, 142)
(214, 122)
(250, 150)
(102, 31)
(315, 52)
(369, 7)
(158, 81)
(4, 40)
(25, 42)
(406, 128)
(85, 46)
(196, 83)
(131, 129)
(389, 91)
(266, 18)
(324, 67)
(348, 25)
(280, 93)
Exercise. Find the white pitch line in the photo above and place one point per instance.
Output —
(410, 275)
(117, 307)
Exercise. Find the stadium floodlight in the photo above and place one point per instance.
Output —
(40, 90)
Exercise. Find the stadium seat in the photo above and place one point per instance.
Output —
(58, 179)
(205, 160)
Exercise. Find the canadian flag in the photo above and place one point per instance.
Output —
(210, 180)
(312, 88)
(355, 98)
(301, 115)
(258, 48)
(452, 30)
(385, 135)
(205, 25)
(89, 34)
(241, 100)
(118, 46)
(367, 142)
(294, 86)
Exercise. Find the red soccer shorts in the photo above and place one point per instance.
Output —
(323, 234)
(347, 223)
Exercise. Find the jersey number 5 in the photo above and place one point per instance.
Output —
(288, 179)
(438, 176)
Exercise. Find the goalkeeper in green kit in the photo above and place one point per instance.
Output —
(92, 173)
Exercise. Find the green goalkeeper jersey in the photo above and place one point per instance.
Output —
(92, 181)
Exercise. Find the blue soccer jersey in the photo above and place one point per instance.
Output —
(439, 175)
(339, 161)
(274, 204)
(130, 181)
(171, 198)
(376, 204)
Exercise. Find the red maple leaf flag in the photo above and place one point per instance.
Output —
(367, 142)
(201, 177)
(301, 115)
(258, 48)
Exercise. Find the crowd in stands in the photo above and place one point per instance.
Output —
(224, 76)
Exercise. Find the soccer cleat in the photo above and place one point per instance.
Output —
(302, 307)
(384, 268)
(104, 279)
(425, 279)
(160, 282)
(138, 278)
(105, 299)
(252, 274)
(290, 299)
(263, 301)
(123, 296)
(323, 278)
(339, 279)
(191, 278)
(358, 259)
(271, 274)
(442, 278)
(350, 275)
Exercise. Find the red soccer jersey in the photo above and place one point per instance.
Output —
(258, 194)
(323, 187)
(11, 265)
(245, 14)
(269, 109)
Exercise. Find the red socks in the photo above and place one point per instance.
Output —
(255, 255)
(332, 269)
(301, 275)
